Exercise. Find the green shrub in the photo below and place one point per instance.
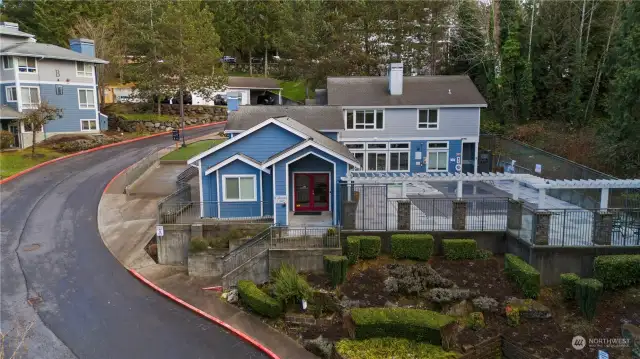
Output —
(369, 247)
(258, 300)
(617, 271)
(455, 249)
(396, 348)
(588, 293)
(413, 324)
(198, 245)
(412, 246)
(568, 281)
(336, 269)
(331, 232)
(290, 287)
(483, 254)
(353, 249)
(6, 139)
(526, 277)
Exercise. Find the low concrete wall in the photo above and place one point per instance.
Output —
(304, 260)
(206, 264)
(256, 270)
(173, 247)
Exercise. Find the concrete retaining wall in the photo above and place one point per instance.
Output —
(206, 264)
(305, 260)
(173, 247)
(256, 270)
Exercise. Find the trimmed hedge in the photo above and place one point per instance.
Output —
(396, 348)
(526, 277)
(258, 300)
(336, 268)
(412, 246)
(617, 271)
(413, 324)
(568, 281)
(455, 249)
(353, 249)
(369, 246)
(588, 293)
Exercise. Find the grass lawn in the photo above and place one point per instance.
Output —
(295, 90)
(191, 150)
(151, 117)
(16, 161)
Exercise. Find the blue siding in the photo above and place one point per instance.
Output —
(239, 209)
(310, 163)
(267, 194)
(280, 171)
(331, 135)
(210, 194)
(259, 145)
(455, 155)
(69, 103)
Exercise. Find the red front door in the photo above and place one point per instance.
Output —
(311, 191)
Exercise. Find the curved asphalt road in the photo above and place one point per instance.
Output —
(91, 306)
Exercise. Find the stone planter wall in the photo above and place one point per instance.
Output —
(206, 264)
(194, 115)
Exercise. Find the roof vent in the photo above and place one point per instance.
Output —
(449, 91)
(10, 25)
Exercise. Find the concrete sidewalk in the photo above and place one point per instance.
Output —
(126, 225)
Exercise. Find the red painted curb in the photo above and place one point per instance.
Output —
(5, 180)
(235, 331)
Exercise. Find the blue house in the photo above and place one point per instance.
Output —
(295, 156)
(33, 72)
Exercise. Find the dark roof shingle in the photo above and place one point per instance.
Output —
(317, 117)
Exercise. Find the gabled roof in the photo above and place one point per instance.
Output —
(7, 112)
(253, 83)
(317, 117)
(237, 157)
(36, 49)
(9, 31)
(416, 91)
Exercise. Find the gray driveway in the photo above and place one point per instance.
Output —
(85, 304)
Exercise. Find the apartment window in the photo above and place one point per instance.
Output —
(27, 64)
(84, 69)
(30, 97)
(376, 161)
(12, 94)
(239, 188)
(86, 99)
(59, 90)
(437, 156)
(7, 62)
(355, 146)
(88, 125)
(399, 157)
(428, 119)
(364, 119)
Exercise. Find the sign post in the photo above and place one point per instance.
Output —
(176, 137)
(159, 231)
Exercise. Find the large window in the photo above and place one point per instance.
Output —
(239, 188)
(12, 94)
(357, 149)
(88, 125)
(399, 156)
(381, 156)
(86, 99)
(427, 119)
(84, 69)
(7, 62)
(364, 119)
(30, 97)
(376, 161)
(27, 64)
(437, 156)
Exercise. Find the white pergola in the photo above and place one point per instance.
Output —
(539, 183)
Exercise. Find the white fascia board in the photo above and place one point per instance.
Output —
(253, 164)
(312, 144)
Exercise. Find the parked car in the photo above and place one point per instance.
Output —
(220, 100)
(228, 59)
(256, 60)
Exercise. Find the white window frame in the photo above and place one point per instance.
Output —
(30, 105)
(386, 160)
(375, 119)
(26, 67)
(427, 123)
(444, 150)
(84, 73)
(86, 106)
(224, 188)
(8, 59)
(8, 91)
(400, 150)
(89, 120)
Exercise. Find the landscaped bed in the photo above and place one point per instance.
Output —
(439, 307)
(191, 150)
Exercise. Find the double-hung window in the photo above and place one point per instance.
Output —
(27, 64)
(376, 157)
(357, 149)
(84, 69)
(437, 156)
(12, 94)
(86, 99)
(428, 119)
(364, 119)
(7, 62)
(240, 188)
(30, 97)
(399, 156)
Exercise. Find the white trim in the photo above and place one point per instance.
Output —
(438, 150)
(201, 189)
(418, 119)
(218, 189)
(375, 119)
(294, 184)
(261, 197)
(373, 107)
(306, 144)
(83, 74)
(245, 134)
(400, 139)
(6, 93)
(67, 58)
(287, 183)
(19, 93)
(240, 131)
(224, 188)
(232, 159)
(273, 193)
(30, 103)
(50, 82)
(89, 130)
(17, 65)
(95, 105)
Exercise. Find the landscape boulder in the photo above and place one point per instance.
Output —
(319, 346)
(529, 308)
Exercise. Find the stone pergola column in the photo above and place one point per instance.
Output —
(514, 214)
(349, 214)
(404, 215)
(602, 227)
(543, 222)
(459, 215)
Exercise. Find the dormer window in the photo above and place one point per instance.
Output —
(27, 64)
(84, 69)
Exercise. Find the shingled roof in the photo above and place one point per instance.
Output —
(417, 90)
(253, 83)
(317, 117)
